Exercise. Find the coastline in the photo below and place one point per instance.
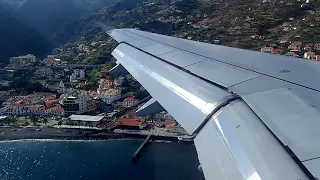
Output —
(7, 134)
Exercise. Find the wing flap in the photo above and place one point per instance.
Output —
(290, 111)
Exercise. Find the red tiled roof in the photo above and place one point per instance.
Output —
(129, 99)
(170, 125)
(167, 124)
(49, 104)
(104, 124)
(276, 51)
(92, 102)
(134, 122)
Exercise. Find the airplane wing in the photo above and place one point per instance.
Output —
(255, 115)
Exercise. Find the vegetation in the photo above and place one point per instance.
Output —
(26, 123)
(34, 120)
(22, 84)
(45, 121)
(232, 21)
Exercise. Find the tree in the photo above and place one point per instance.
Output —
(45, 121)
(59, 123)
(11, 121)
(34, 120)
(26, 123)
(37, 87)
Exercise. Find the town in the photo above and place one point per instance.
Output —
(78, 96)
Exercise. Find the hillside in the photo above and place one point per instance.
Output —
(249, 24)
(16, 39)
(47, 16)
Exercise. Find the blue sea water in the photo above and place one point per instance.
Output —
(102, 159)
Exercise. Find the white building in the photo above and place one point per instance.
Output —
(110, 95)
(23, 59)
(76, 72)
(75, 103)
(85, 120)
(307, 55)
(82, 74)
(129, 102)
(104, 84)
(73, 78)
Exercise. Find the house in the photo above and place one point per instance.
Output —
(283, 40)
(104, 85)
(92, 106)
(110, 95)
(276, 51)
(117, 104)
(129, 102)
(308, 47)
(286, 29)
(295, 46)
(315, 57)
(29, 58)
(309, 54)
(267, 49)
(317, 46)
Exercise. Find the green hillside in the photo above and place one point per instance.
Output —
(232, 22)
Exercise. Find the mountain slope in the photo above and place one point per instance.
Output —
(233, 22)
(18, 39)
(46, 16)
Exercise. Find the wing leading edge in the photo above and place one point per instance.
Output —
(197, 83)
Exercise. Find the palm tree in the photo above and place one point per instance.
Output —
(45, 121)
(11, 121)
(34, 120)
(26, 123)
(14, 121)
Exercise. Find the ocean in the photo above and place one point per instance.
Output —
(97, 160)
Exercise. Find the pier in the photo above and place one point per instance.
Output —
(136, 154)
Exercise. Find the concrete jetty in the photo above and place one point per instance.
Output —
(136, 154)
